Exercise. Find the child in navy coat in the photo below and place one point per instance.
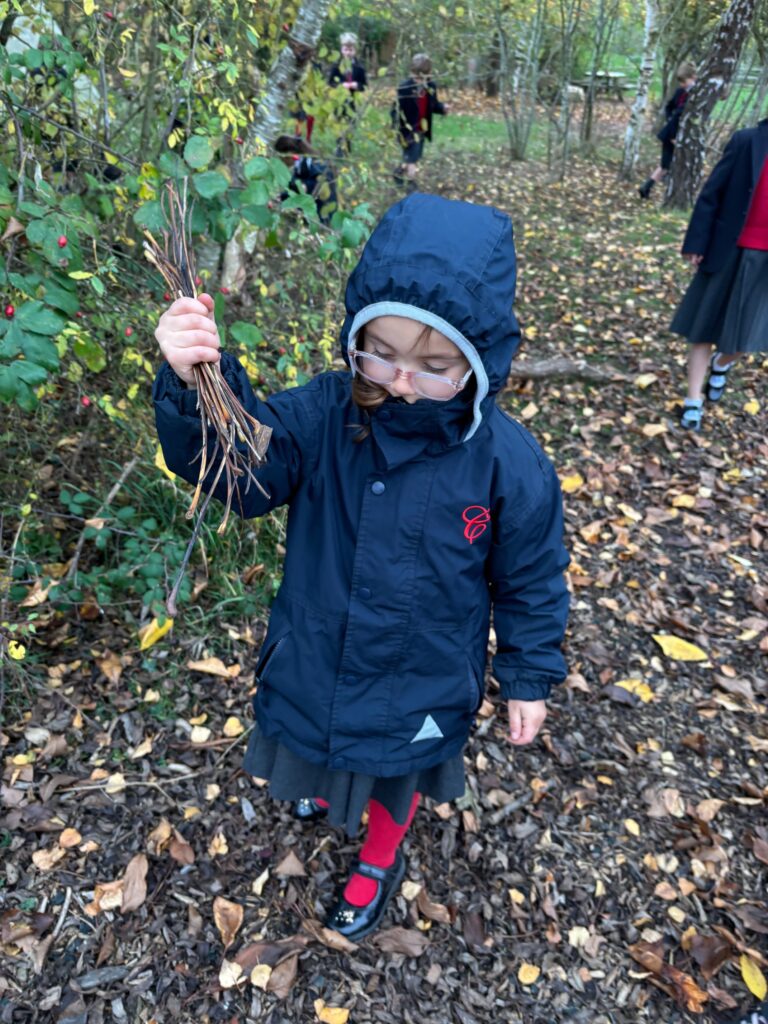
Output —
(412, 113)
(417, 509)
(673, 111)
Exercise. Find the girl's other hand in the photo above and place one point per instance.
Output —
(526, 717)
(694, 258)
(187, 334)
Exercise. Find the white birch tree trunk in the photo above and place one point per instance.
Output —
(714, 77)
(283, 81)
(637, 114)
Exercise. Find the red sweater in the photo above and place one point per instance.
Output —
(754, 234)
(423, 102)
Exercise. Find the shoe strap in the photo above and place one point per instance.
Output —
(371, 871)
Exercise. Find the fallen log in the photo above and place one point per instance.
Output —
(560, 366)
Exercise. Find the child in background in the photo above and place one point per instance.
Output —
(412, 114)
(726, 304)
(349, 74)
(315, 175)
(673, 109)
(417, 508)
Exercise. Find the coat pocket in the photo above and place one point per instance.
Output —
(269, 654)
(475, 688)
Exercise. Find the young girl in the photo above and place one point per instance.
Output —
(726, 304)
(673, 110)
(412, 113)
(416, 507)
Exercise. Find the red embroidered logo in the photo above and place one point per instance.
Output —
(477, 518)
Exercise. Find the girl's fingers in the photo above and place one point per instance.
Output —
(187, 305)
(189, 322)
(192, 356)
(515, 724)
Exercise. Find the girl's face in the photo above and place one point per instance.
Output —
(348, 50)
(406, 344)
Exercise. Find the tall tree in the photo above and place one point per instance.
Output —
(713, 81)
(637, 114)
(282, 82)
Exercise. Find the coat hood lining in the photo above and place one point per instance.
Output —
(424, 316)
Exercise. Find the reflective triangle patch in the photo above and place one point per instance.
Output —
(430, 730)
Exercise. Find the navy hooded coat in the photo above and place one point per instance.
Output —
(398, 546)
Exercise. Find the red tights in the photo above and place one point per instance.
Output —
(382, 839)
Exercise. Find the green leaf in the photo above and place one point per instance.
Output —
(150, 215)
(247, 334)
(198, 152)
(255, 194)
(90, 351)
(30, 373)
(210, 184)
(34, 316)
(59, 297)
(259, 216)
(40, 350)
(256, 167)
(11, 344)
(171, 165)
(8, 384)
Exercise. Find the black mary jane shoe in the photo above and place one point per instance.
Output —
(355, 923)
(308, 809)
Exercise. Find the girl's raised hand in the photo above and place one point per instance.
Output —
(187, 334)
(526, 717)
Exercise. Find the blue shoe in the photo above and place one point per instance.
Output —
(690, 417)
(308, 809)
(757, 1016)
(355, 923)
(716, 381)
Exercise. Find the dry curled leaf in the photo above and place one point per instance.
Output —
(402, 940)
(135, 883)
(290, 867)
(228, 917)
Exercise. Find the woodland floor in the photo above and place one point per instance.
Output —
(636, 821)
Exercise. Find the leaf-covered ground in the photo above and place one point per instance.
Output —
(615, 871)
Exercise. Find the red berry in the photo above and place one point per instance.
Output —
(108, 15)
(62, 240)
(128, 332)
(198, 280)
(281, 350)
(9, 311)
(85, 401)
(224, 290)
(79, 315)
(167, 296)
(239, 141)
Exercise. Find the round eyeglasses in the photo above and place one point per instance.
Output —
(428, 385)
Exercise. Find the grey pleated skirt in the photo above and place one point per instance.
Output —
(292, 777)
(730, 307)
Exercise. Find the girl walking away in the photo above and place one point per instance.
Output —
(673, 110)
(726, 304)
(412, 114)
(416, 509)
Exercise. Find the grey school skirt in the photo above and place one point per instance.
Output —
(730, 307)
(292, 777)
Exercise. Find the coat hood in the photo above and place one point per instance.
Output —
(450, 265)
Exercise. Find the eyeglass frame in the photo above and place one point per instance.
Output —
(457, 385)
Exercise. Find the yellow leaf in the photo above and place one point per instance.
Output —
(79, 275)
(16, 650)
(110, 158)
(654, 429)
(638, 687)
(212, 790)
(516, 896)
(126, 73)
(230, 974)
(153, 632)
(572, 483)
(645, 380)
(677, 649)
(200, 734)
(218, 846)
(88, 7)
(330, 1014)
(160, 464)
(753, 977)
(115, 783)
(69, 837)
(260, 976)
(631, 826)
(199, 719)
(144, 748)
(684, 501)
(752, 407)
(233, 727)
(529, 411)
(191, 812)
(258, 886)
(528, 974)
(214, 667)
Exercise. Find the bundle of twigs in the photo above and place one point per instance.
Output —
(220, 409)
